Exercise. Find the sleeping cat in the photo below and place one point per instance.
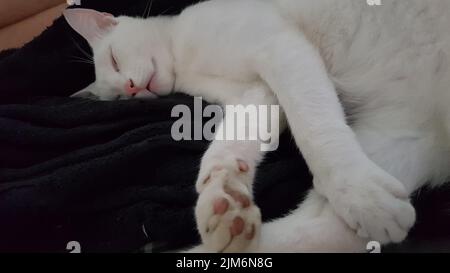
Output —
(364, 89)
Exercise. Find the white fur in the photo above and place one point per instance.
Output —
(389, 65)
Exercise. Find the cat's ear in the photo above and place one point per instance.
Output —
(90, 24)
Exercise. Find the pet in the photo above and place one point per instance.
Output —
(364, 89)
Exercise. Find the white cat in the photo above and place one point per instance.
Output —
(387, 66)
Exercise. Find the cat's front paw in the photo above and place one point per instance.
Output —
(372, 202)
(227, 218)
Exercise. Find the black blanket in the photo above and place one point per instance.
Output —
(108, 174)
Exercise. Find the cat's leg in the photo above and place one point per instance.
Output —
(357, 188)
(227, 218)
(313, 227)
(407, 154)
(446, 120)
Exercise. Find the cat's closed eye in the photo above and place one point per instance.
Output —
(114, 62)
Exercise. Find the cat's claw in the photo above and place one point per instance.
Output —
(372, 202)
(227, 218)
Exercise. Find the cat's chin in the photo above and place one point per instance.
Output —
(146, 95)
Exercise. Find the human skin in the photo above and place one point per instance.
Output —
(22, 20)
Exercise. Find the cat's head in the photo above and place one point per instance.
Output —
(132, 56)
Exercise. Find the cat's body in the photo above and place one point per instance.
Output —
(388, 64)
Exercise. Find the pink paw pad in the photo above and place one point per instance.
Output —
(237, 227)
(243, 166)
(221, 206)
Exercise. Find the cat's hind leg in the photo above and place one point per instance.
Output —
(411, 155)
(313, 227)
(445, 165)
(407, 154)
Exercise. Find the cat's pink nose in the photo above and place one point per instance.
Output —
(131, 88)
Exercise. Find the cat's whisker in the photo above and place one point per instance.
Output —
(78, 61)
(149, 9)
(83, 51)
(145, 9)
(81, 60)
(166, 10)
(147, 5)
